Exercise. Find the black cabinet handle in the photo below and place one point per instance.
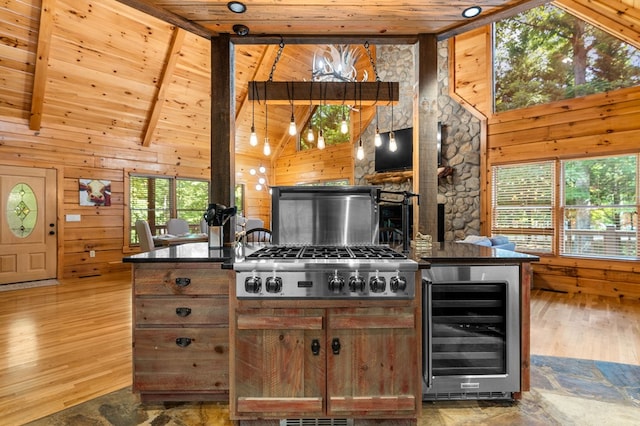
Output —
(183, 342)
(315, 347)
(183, 312)
(335, 346)
(183, 282)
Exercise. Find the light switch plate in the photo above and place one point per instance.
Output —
(73, 218)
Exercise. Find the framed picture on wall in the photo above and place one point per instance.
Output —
(94, 192)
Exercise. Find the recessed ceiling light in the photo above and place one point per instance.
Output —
(236, 7)
(241, 30)
(471, 12)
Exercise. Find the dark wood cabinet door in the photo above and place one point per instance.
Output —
(279, 362)
(372, 365)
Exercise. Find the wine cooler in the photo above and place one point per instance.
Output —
(472, 332)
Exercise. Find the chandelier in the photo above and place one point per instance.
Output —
(334, 81)
(338, 63)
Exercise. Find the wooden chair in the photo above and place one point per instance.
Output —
(177, 227)
(144, 235)
(257, 235)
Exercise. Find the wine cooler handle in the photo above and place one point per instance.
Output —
(429, 336)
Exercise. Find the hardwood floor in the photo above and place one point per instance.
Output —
(585, 326)
(62, 345)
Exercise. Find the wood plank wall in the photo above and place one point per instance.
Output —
(601, 124)
(332, 163)
(257, 204)
(101, 86)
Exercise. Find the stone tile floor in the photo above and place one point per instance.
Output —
(564, 392)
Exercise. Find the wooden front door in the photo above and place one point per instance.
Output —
(28, 241)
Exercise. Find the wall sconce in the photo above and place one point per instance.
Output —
(263, 182)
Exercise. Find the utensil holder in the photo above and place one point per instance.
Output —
(216, 236)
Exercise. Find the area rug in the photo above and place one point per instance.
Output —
(28, 284)
(565, 391)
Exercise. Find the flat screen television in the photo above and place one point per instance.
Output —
(402, 159)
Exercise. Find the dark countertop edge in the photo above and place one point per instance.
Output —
(440, 253)
(468, 254)
(186, 253)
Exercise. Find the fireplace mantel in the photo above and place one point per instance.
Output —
(389, 177)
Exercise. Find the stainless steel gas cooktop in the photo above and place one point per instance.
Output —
(358, 271)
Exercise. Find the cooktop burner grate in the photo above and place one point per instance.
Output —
(327, 252)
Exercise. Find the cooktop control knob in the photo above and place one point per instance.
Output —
(398, 284)
(336, 283)
(273, 285)
(253, 284)
(357, 284)
(377, 284)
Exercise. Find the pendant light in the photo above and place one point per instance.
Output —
(266, 150)
(377, 140)
(344, 127)
(292, 124)
(393, 146)
(310, 136)
(321, 144)
(253, 139)
(360, 151)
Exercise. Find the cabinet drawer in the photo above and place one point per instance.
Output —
(187, 281)
(213, 311)
(197, 362)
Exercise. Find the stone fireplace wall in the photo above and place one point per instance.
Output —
(460, 192)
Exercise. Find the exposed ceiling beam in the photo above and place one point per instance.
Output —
(169, 17)
(167, 73)
(610, 19)
(324, 39)
(260, 72)
(324, 92)
(42, 64)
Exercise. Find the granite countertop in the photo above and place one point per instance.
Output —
(462, 253)
(190, 252)
(445, 252)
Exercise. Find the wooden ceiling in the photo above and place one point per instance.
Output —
(140, 70)
(331, 18)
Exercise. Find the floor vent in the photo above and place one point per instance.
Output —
(456, 396)
(316, 422)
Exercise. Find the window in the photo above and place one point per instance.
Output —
(329, 118)
(546, 54)
(600, 207)
(523, 200)
(156, 199)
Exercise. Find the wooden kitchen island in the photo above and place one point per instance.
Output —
(181, 323)
(272, 359)
(277, 359)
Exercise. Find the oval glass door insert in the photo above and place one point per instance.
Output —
(22, 210)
